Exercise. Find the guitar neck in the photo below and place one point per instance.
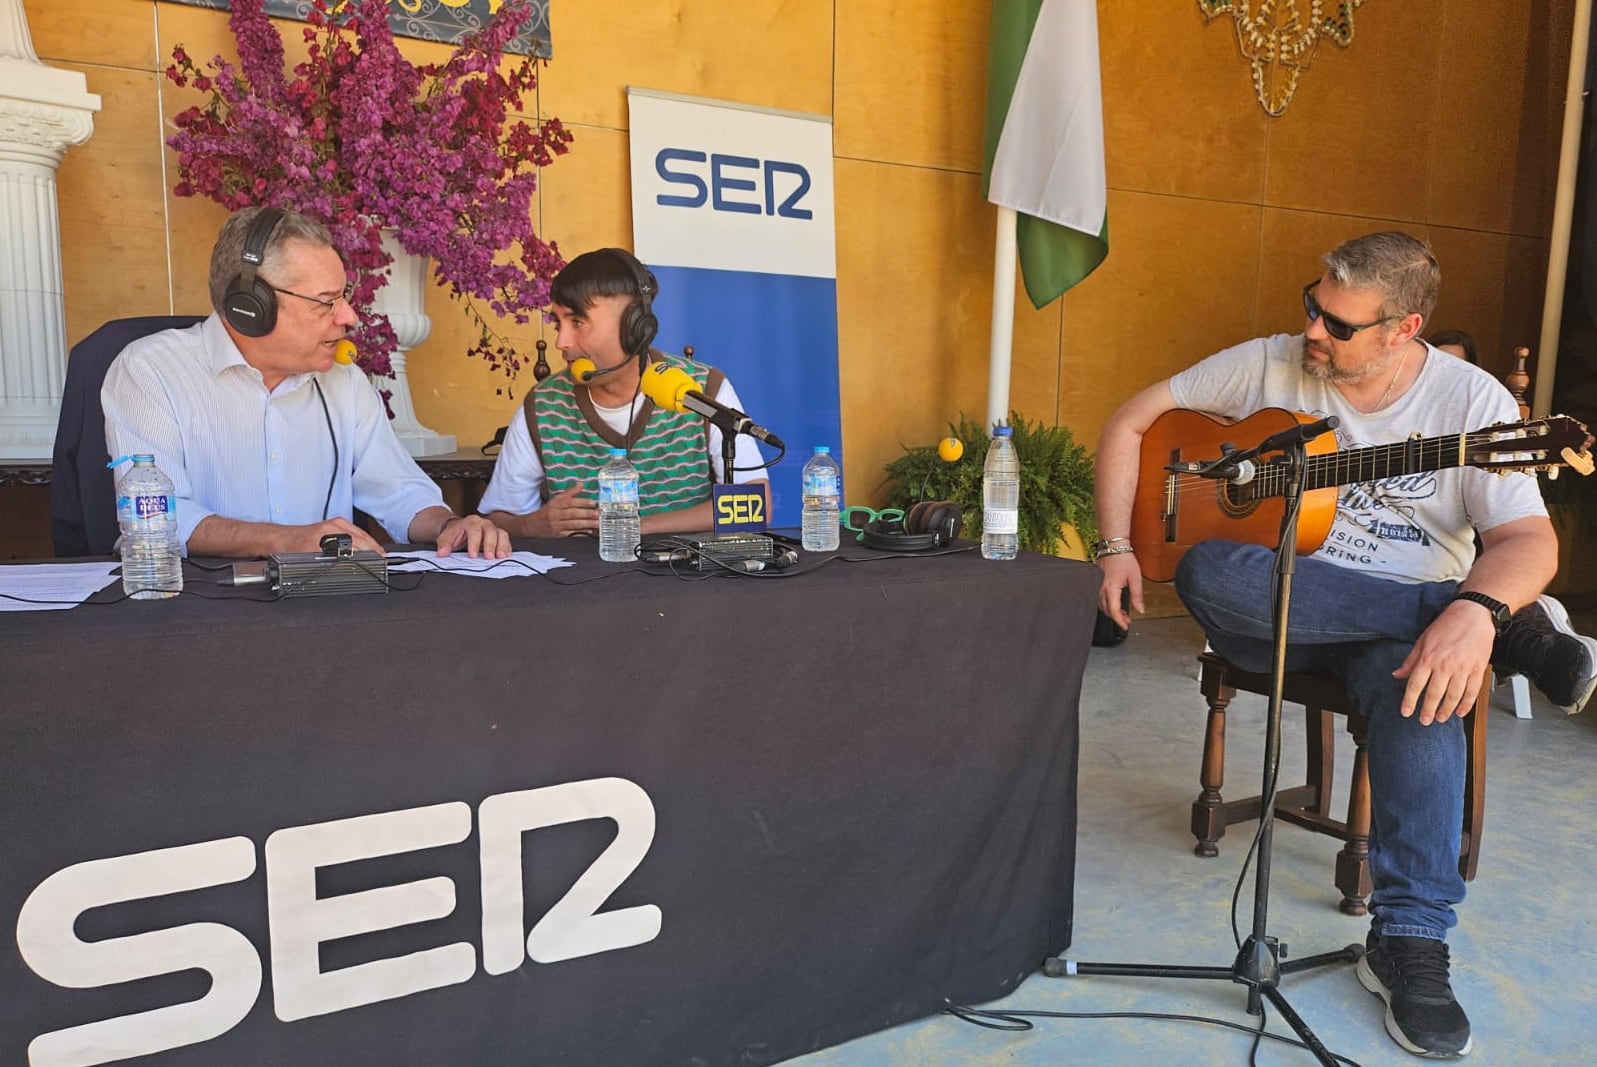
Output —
(1374, 463)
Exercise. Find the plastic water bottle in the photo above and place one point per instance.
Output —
(146, 509)
(619, 531)
(1000, 497)
(822, 501)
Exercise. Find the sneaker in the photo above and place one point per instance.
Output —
(1410, 974)
(1539, 643)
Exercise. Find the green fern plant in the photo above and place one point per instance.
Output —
(1056, 480)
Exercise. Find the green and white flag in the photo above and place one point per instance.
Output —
(1044, 139)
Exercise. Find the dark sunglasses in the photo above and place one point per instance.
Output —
(1340, 329)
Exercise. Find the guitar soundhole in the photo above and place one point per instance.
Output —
(1236, 501)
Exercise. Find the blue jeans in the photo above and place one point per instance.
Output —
(1358, 628)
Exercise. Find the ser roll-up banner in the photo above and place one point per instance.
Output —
(732, 209)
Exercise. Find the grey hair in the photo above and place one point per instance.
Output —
(227, 255)
(1402, 268)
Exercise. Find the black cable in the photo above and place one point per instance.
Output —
(1016, 1021)
(333, 477)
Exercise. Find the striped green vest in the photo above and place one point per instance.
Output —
(668, 448)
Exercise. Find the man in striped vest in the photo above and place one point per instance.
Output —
(544, 484)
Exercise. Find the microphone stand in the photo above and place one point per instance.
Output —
(1258, 963)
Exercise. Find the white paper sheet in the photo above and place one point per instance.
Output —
(52, 586)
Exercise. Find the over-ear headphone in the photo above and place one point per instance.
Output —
(250, 306)
(926, 525)
(638, 324)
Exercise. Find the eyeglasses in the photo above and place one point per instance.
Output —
(1340, 329)
(327, 305)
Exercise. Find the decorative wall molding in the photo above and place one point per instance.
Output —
(1279, 43)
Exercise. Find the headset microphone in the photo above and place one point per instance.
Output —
(585, 370)
(345, 352)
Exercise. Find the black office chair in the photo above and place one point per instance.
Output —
(82, 490)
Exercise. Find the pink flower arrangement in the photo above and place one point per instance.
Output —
(360, 139)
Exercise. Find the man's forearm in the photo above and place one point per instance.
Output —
(528, 525)
(235, 538)
(427, 524)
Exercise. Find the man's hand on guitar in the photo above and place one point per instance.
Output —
(1445, 667)
(1120, 571)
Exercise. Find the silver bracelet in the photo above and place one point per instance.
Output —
(1113, 550)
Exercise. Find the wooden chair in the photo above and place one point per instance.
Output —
(1309, 805)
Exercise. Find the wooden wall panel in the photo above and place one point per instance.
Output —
(113, 231)
(1178, 285)
(912, 82)
(1358, 137)
(771, 53)
(1492, 286)
(1496, 115)
(1176, 99)
(74, 32)
(914, 302)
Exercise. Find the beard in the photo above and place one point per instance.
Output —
(1326, 368)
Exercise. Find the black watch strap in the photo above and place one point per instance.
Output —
(1499, 610)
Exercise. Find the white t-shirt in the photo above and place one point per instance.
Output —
(1417, 528)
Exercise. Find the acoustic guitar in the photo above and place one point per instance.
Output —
(1175, 509)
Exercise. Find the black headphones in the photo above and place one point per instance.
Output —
(638, 324)
(250, 306)
(926, 525)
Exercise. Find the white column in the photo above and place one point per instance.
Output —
(404, 301)
(43, 112)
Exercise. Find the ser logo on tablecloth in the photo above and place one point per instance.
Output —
(300, 922)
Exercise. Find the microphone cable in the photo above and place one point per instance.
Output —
(331, 478)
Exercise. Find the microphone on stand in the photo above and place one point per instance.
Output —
(675, 389)
(1239, 468)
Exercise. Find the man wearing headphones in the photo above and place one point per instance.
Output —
(543, 484)
(270, 443)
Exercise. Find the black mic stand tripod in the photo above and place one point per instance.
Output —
(1258, 963)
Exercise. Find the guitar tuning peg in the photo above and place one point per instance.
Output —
(1580, 461)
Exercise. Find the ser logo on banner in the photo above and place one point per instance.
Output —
(300, 922)
(730, 181)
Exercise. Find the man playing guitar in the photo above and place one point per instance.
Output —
(1395, 601)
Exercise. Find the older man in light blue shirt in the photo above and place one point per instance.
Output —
(271, 444)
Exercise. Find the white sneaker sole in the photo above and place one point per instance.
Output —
(1369, 980)
(1560, 620)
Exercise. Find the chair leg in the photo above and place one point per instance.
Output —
(1353, 862)
(1208, 811)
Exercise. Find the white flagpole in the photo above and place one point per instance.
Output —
(1563, 213)
(1001, 348)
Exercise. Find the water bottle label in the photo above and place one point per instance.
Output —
(820, 483)
(618, 492)
(1000, 520)
(145, 506)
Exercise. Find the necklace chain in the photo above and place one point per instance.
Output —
(1381, 403)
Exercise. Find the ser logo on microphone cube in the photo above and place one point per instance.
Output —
(740, 508)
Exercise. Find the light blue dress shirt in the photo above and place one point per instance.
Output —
(232, 449)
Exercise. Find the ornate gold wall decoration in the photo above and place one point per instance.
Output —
(1280, 43)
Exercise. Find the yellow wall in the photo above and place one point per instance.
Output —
(1441, 118)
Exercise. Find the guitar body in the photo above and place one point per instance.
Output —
(1171, 512)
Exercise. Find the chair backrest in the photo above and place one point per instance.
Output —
(82, 490)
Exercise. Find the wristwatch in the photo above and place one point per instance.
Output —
(1499, 610)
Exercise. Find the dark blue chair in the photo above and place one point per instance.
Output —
(82, 490)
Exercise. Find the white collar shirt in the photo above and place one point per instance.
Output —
(233, 449)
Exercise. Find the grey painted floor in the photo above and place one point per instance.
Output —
(1524, 959)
